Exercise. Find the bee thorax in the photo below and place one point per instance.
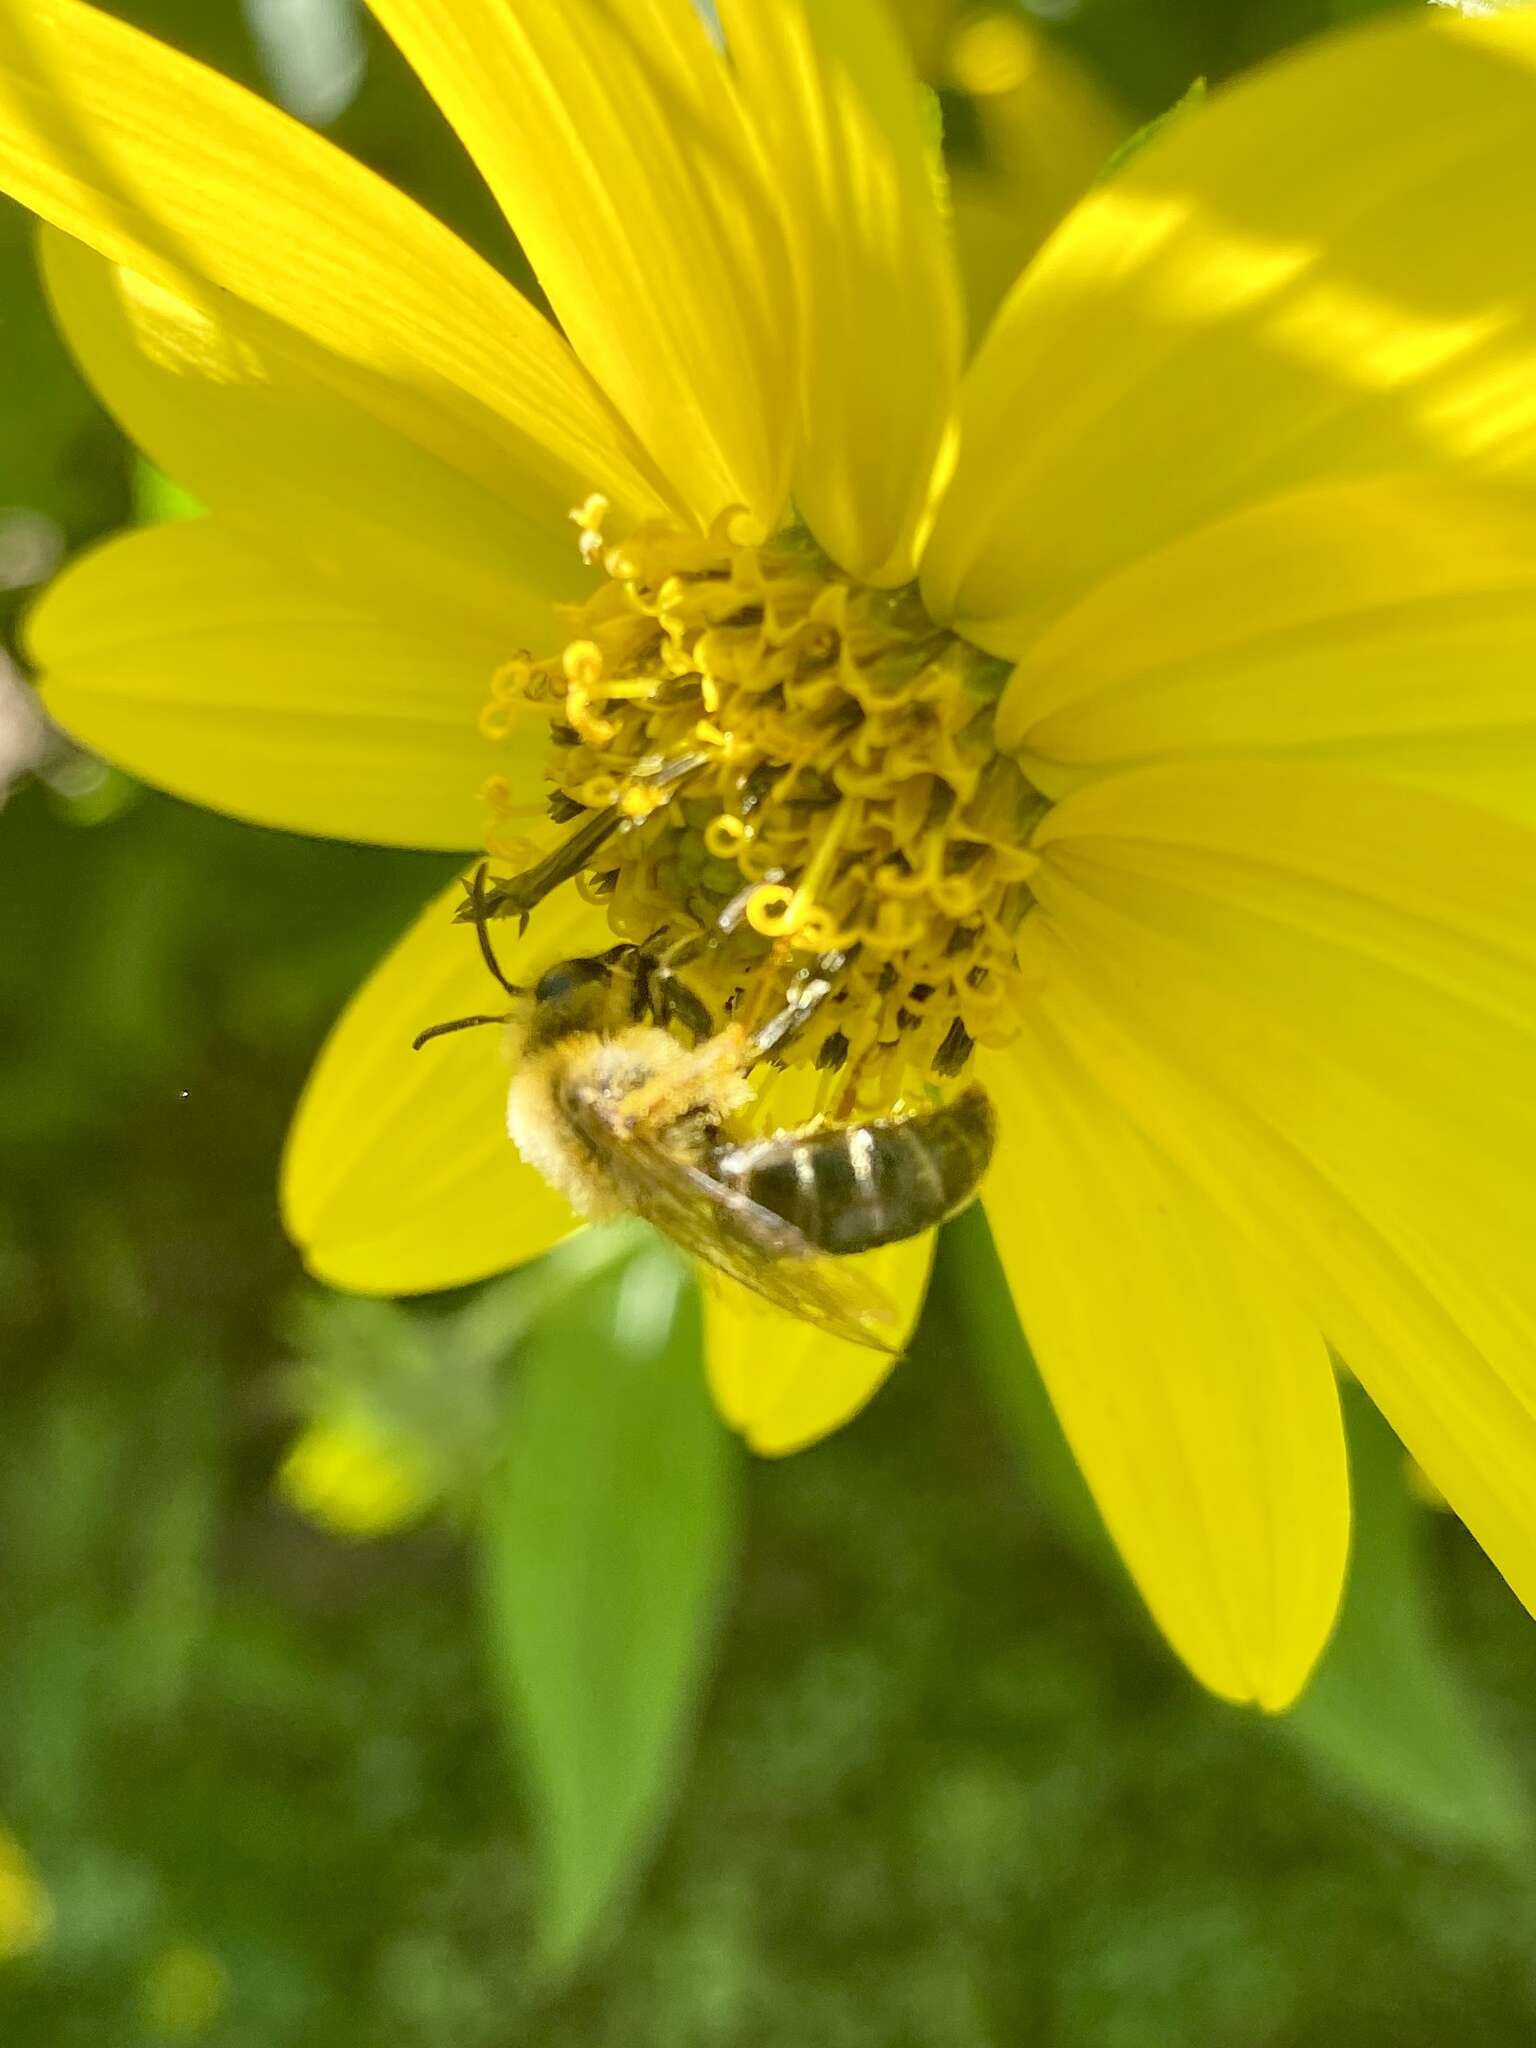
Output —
(639, 1077)
(538, 1119)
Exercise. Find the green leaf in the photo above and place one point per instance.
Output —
(157, 498)
(606, 1533)
(1389, 1717)
(1337, 13)
(503, 1312)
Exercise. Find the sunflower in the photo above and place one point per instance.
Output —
(1148, 696)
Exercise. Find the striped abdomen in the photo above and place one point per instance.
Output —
(849, 1190)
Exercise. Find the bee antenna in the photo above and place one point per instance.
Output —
(481, 913)
(454, 1024)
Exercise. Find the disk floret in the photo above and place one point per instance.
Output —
(846, 794)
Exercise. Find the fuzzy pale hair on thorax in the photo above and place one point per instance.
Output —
(669, 1083)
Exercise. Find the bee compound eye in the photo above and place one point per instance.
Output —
(567, 976)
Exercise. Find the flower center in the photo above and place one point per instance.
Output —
(845, 795)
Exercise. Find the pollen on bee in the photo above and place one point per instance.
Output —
(846, 797)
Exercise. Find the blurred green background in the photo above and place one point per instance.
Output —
(869, 1747)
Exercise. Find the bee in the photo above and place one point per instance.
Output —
(623, 1117)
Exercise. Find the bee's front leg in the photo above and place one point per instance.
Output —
(669, 998)
(673, 998)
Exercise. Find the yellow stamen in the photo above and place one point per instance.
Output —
(845, 765)
(589, 517)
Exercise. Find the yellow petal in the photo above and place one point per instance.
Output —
(399, 1174)
(278, 242)
(1319, 994)
(210, 670)
(611, 136)
(241, 411)
(1383, 626)
(836, 103)
(1197, 1396)
(1042, 133)
(925, 24)
(1307, 280)
(783, 1383)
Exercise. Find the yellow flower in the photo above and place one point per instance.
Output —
(26, 1910)
(1225, 546)
(355, 1480)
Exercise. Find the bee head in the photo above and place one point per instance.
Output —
(584, 994)
(572, 980)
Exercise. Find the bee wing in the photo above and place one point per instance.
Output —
(740, 1238)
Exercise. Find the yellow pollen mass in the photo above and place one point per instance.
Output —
(846, 795)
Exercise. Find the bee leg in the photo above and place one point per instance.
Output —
(655, 992)
(674, 999)
(642, 1002)
(807, 992)
(668, 997)
(653, 995)
(477, 908)
(679, 1001)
